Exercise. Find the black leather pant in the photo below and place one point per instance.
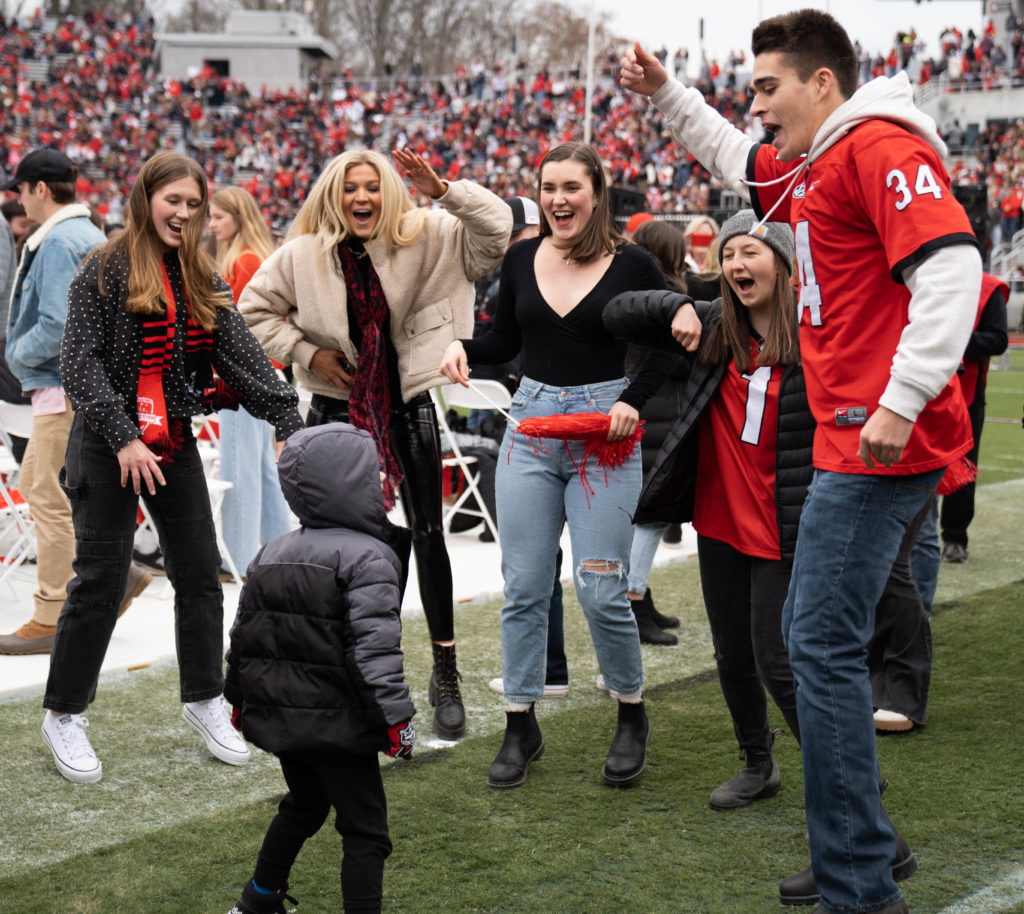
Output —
(416, 445)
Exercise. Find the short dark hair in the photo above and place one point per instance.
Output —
(62, 192)
(809, 40)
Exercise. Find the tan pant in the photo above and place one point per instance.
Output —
(51, 510)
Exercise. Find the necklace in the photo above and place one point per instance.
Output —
(569, 262)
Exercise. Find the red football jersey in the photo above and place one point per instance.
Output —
(875, 203)
(735, 496)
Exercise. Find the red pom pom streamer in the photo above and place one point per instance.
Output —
(957, 475)
(590, 428)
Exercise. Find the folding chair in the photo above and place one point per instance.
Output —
(479, 395)
(17, 529)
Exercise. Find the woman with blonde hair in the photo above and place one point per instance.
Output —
(699, 234)
(254, 510)
(148, 321)
(362, 300)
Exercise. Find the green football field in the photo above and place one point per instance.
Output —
(169, 829)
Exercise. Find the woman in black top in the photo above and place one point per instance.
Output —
(553, 292)
(148, 321)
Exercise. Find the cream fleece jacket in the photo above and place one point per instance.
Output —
(296, 303)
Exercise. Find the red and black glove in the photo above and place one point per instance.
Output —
(400, 739)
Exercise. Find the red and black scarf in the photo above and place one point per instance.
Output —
(369, 404)
(160, 434)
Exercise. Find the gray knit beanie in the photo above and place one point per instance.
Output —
(777, 235)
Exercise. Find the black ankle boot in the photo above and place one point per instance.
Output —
(445, 698)
(758, 780)
(800, 887)
(523, 744)
(649, 631)
(660, 619)
(627, 756)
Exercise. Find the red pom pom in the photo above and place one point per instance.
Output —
(957, 475)
(590, 428)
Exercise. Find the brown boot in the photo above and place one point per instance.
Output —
(32, 638)
(138, 580)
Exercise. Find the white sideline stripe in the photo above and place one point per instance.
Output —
(1004, 895)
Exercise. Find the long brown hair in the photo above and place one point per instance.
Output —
(667, 246)
(139, 243)
(599, 235)
(729, 336)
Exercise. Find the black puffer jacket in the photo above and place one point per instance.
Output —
(669, 486)
(315, 661)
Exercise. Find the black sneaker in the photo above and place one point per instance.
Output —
(253, 902)
(954, 553)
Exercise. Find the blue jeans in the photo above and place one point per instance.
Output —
(646, 539)
(850, 534)
(254, 510)
(535, 490)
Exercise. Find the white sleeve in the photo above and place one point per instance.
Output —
(707, 136)
(944, 291)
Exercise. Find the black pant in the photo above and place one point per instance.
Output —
(744, 597)
(352, 785)
(900, 650)
(416, 445)
(104, 515)
(958, 507)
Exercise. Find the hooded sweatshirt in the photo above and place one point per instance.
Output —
(315, 661)
(884, 314)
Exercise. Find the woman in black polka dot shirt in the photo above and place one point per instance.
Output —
(148, 321)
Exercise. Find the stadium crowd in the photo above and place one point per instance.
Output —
(96, 94)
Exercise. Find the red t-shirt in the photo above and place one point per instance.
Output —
(873, 204)
(735, 496)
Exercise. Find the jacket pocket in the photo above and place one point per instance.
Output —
(428, 333)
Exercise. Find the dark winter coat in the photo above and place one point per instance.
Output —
(315, 661)
(670, 486)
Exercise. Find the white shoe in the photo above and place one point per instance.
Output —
(72, 752)
(602, 686)
(892, 721)
(212, 719)
(550, 691)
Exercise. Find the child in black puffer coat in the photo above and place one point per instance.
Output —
(315, 664)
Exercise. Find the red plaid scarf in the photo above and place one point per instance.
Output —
(369, 404)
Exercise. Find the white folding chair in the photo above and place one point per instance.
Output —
(479, 395)
(17, 529)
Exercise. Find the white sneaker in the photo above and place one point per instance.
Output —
(212, 718)
(72, 752)
(550, 691)
(602, 685)
(892, 721)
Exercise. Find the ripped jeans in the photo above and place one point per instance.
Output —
(535, 489)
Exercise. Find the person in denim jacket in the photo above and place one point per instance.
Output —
(45, 182)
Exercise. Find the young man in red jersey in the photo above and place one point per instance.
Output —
(889, 279)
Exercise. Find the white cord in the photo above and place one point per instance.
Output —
(515, 422)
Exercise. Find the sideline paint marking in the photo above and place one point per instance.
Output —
(1004, 895)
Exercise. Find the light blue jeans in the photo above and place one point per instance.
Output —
(535, 489)
(850, 533)
(254, 510)
(646, 539)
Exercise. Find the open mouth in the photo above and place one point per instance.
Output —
(362, 217)
(562, 217)
(744, 285)
(175, 228)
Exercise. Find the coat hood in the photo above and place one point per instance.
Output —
(887, 99)
(330, 476)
